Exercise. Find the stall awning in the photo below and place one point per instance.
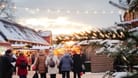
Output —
(40, 47)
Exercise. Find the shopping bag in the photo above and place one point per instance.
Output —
(81, 73)
(35, 74)
(83, 68)
(33, 67)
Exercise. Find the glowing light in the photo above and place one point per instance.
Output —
(3, 6)
(95, 12)
(63, 31)
(101, 34)
(107, 36)
(114, 36)
(48, 10)
(94, 34)
(77, 12)
(86, 12)
(120, 12)
(27, 9)
(103, 12)
(57, 26)
(69, 43)
(36, 22)
(111, 12)
(62, 20)
(37, 9)
(14, 7)
(68, 11)
(58, 11)
(32, 12)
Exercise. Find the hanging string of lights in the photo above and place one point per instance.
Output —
(68, 11)
(90, 35)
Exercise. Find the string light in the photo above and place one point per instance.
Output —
(32, 11)
(77, 12)
(27, 9)
(95, 12)
(58, 11)
(37, 9)
(91, 35)
(48, 10)
(14, 7)
(69, 11)
(103, 12)
(111, 12)
(120, 12)
(86, 12)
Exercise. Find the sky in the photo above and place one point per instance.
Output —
(66, 16)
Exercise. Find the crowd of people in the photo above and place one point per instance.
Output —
(42, 64)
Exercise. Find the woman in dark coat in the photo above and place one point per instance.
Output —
(83, 58)
(77, 65)
(0, 67)
(6, 66)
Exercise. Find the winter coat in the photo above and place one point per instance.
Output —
(66, 63)
(0, 67)
(21, 71)
(83, 57)
(40, 63)
(77, 63)
(52, 70)
(6, 66)
(33, 58)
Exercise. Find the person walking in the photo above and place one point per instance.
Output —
(40, 63)
(66, 63)
(77, 65)
(29, 62)
(52, 62)
(33, 56)
(1, 67)
(21, 64)
(6, 64)
(83, 58)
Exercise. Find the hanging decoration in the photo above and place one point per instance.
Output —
(68, 11)
(119, 34)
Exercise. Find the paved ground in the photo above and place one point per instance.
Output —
(87, 75)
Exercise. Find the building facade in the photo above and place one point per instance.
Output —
(20, 37)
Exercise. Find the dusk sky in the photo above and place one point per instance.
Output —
(73, 14)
